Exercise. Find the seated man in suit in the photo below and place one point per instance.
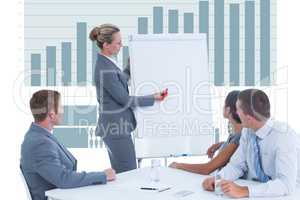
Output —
(268, 153)
(46, 164)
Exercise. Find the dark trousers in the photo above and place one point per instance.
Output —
(121, 153)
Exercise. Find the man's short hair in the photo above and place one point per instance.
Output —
(42, 102)
(255, 103)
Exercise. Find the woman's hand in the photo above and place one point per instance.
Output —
(174, 165)
(212, 149)
(161, 95)
(209, 184)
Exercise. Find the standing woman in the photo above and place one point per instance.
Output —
(116, 118)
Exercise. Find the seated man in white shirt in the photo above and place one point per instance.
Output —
(268, 153)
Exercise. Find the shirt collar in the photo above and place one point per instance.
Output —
(265, 130)
(37, 125)
(110, 58)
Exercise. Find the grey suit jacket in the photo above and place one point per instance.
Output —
(46, 164)
(116, 117)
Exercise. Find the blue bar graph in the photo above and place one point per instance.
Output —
(265, 39)
(234, 45)
(81, 53)
(158, 20)
(219, 43)
(80, 115)
(142, 25)
(188, 22)
(36, 69)
(66, 63)
(173, 21)
(249, 43)
(220, 20)
(72, 137)
(51, 65)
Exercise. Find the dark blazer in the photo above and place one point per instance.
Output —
(116, 117)
(46, 164)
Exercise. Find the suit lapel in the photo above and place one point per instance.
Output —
(36, 128)
(68, 154)
(119, 73)
(123, 80)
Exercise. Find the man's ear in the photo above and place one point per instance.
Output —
(51, 114)
(250, 119)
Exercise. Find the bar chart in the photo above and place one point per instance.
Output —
(241, 38)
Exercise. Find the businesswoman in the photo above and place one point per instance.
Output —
(116, 119)
(226, 149)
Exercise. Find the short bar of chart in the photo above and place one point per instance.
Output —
(51, 65)
(80, 115)
(142, 25)
(36, 69)
(188, 22)
(66, 63)
(72, 137)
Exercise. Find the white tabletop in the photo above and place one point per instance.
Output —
(127, 186)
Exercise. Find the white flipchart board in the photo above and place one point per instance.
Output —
(182, 124)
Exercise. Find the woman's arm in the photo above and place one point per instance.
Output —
(213, 148)
(206, 168)
(127, 72)
(222, 158)
(111, 83)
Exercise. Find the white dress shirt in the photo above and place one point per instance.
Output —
(280, 156)
(114, 60)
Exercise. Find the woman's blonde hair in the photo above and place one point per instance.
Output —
(103, 33)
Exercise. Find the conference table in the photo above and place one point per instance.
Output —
(183, 185)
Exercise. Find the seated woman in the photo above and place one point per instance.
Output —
(226, 149)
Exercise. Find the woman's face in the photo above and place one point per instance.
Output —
(226, 112)
(114, 47)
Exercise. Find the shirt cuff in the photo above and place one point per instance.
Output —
(257, 191)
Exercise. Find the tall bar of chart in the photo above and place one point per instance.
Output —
(249, 43)
(81, 53)
(173, 21)
(219, 50)
(234, 44)
(241, 40)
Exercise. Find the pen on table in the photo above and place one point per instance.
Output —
(148, 188)
(164, 189)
